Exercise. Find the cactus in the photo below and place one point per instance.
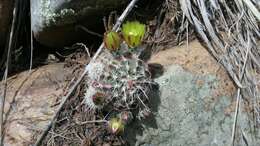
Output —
(123, 78)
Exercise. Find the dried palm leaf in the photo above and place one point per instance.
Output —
(231, 32)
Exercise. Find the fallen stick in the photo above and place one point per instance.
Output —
(65, 98)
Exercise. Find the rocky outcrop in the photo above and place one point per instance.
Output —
(54, 21)
(6, 8)
(196, 104)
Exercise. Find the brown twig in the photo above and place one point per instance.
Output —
(89, 31)
(65, 98)
(91, 122)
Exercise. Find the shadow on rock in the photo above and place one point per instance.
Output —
(137, 126)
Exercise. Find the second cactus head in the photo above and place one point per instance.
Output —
(112, 40)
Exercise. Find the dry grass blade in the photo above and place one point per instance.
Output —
(235, 118)
(10, 45)
(252, 8)
(31, 40)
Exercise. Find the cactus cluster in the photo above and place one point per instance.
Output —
(120, 80)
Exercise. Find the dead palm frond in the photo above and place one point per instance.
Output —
(231, 32)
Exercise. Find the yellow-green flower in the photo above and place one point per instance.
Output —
(116, 125)
(112, 40)
(133, 33)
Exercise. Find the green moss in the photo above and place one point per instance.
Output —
(64, 16)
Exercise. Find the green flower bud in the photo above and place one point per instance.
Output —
(112, 40)
(133, 33)
(116, 125)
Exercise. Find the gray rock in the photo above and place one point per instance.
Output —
(54, 21)
(6, 8)
(189, 114)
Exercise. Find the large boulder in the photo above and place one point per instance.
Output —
(54, 21)
(31, 102)
(196, 104)
(33, 97)
(6, 8)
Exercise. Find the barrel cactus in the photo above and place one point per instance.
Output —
(121, 79)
